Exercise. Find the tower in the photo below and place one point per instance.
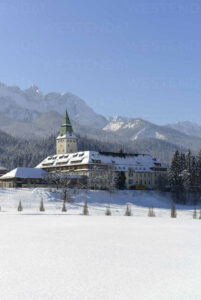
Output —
(66, 141)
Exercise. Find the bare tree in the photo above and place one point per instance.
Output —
(173, 211)
(85, 209)
(58, 180)
(64, 209)
(195, 214)
(110, 181)
(69, 197)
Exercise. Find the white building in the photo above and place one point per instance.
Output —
(141, 171)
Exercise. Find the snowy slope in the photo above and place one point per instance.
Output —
(97, 201)
(67, 256)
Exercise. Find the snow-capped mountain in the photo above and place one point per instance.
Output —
(30, 104)
(136, 129)
(187, 127)
(31, 114)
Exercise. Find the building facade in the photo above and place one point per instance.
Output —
(140, 171)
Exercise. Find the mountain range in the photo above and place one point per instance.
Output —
(30, 115)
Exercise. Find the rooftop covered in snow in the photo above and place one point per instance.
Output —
(119, 161)
(32, 173)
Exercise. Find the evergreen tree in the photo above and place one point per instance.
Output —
(128, 211)
(199, 163)
(108, 211)
(151, 212)
(64, 207)
(42, 208)
(173, 211)
(85, 209)
(195, 214)
(121, 180)
(175, 170)
(20, 208)
(200, 214)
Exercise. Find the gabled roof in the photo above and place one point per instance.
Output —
(25, 173)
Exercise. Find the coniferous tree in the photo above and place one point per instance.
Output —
(195, 214)
(175, 170)
(199, 163)
(128, 211)
(42, 208)
(121, 181)
(108, 211)
(151, 212)
(20, 208)
(173, 211)
(200, 214)
(85, 209)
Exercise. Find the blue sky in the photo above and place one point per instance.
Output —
(139, 58)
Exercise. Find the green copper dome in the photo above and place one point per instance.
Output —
(66, 126)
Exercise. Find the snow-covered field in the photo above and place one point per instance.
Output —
(54, 255)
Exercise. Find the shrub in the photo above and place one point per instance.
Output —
(151, 212)
(42, 208)
(20, 208)
(128, 211)
(108, 211)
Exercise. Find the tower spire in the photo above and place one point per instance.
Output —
(66, 140)
(66, 127)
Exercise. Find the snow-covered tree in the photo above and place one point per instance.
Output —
(128, 211)
(151, 212)
(20, 208)
(175, 170)
(108, 211)
(42, 208)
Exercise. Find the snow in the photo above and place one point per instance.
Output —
(140, 162)
(25, 173)
(54, 255)
(113, 126)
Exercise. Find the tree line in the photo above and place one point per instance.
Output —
(185, 177)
